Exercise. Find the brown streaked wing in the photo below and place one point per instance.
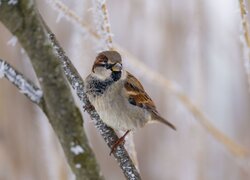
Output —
(137, 95)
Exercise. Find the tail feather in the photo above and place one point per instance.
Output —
(156, 117)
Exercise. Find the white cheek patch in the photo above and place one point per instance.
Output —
(102, 73)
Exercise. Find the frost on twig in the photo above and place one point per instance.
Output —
(102, 24)
(245, 38)
(108, 134)
(25, 86)
(69, 15)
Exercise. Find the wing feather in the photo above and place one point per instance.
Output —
(137, 95)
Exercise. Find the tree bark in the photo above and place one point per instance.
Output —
(23, 20)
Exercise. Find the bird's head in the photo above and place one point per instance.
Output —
(108, 64)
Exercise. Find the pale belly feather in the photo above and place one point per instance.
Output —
(117, 112)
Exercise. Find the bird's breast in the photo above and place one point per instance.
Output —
(115, 110)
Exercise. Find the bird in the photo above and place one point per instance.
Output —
(118, 97)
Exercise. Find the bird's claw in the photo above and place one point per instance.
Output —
(120, 141)
(117, 143)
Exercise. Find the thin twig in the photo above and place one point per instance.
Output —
(229, 144)
(107, 133)
(25, 86)
(72, 16)
(130, 146)
(246, 38)
(102, 23)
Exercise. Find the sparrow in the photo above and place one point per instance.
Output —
(118, 97)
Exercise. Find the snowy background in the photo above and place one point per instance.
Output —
(196, 46)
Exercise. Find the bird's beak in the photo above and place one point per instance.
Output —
(116, 67)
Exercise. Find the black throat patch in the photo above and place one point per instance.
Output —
(97, 87)
(116, 75)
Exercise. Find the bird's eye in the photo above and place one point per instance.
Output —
(105, 61)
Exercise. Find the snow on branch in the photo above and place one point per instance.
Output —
(107, 133)
(25, 86)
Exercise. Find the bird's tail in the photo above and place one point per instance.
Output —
(157, 117)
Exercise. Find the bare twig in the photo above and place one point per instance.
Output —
(107, 133)
(25, 86)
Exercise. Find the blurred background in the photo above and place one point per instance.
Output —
(194, 44)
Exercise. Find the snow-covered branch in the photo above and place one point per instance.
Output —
(107, 133)
(25, 86)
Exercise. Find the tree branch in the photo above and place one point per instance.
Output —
(107, 133)
(75, 80)
(23, 20)
(23, 84)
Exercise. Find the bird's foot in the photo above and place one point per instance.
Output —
(120, 141)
